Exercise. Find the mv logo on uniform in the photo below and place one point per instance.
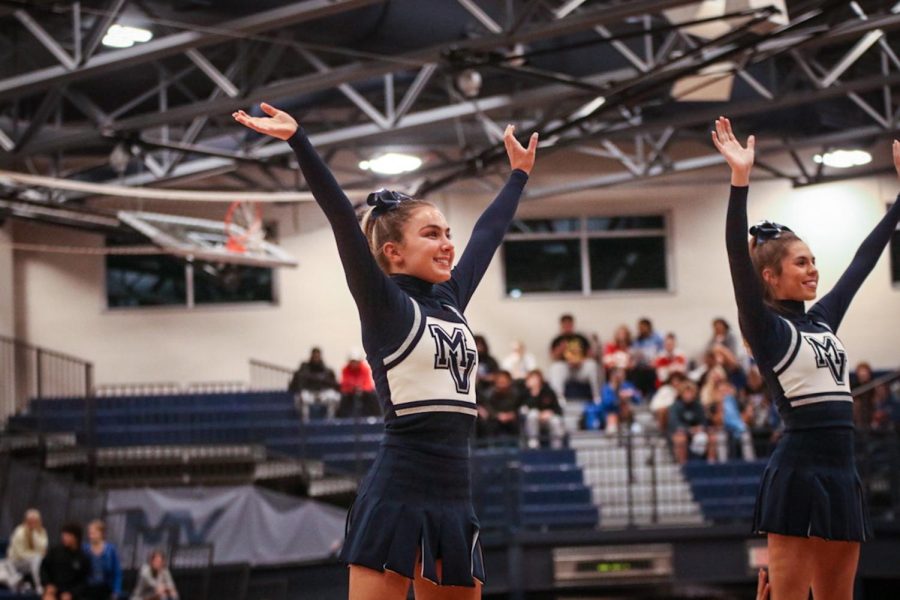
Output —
(452, 353)
(829, 355)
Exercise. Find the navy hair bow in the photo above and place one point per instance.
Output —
(385, 201)
(767, 230)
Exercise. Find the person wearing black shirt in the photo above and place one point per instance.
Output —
(314, 383)
(65, 569)
(544, 411)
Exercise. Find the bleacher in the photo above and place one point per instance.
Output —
(725, 491)
(546, 487)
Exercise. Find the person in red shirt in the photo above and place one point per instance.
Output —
(669, 360)
(357, 389)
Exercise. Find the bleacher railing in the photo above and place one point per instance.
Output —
(28, 371)
(268, 376)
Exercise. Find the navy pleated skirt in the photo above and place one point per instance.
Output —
(416, 506)
(811, 488)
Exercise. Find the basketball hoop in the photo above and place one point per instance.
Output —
(243, 227)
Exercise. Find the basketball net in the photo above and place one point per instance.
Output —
(243, 227)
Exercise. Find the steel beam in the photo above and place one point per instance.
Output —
(178, 43)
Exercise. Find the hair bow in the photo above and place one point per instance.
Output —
(385, 201)
(767, 230)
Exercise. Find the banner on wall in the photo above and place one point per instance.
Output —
(244, 524)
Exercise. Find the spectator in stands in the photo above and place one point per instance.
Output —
(707, 388)
(687, 425)
(105, 576)
(864, 405)
(616, 401)
(503, 402)
(314, 384)
(618, 353)
(574, 374)
(731, 426)
(65, 569)
(357, 388)
(755, 398)
(669, 360)
(544, 411)
(519, 362)
(647, 345)
(664, 398)
(722, 336)
(27, 548)
(154, 580)
(487, 364)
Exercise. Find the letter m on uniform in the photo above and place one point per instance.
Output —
(452, 353)
(829, 355)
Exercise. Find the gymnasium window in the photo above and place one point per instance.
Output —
(144, 281)
(586, 255)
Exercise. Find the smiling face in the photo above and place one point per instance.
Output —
(798, 278)
(425, 250)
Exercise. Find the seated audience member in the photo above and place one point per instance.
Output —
(647, 345)
(487, 365)
(544, 411)
(756, 400)
(664, 398)
(154, 580)
(573, 375)
(105, 576)
(687, 425)
(670, 360)
(503, 402)
(27, 549)
(730, 424)
(65, 569)
(618, 353)
(616, 401)
(357, 388)
(864, 405)
(315, 384)
(519, 362)
(711, 378)
(722, 336)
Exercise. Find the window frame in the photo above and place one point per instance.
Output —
(583, 235)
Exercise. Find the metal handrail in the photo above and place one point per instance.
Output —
(877, 382)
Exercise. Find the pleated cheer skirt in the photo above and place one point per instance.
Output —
(810, 488)
(416, 506)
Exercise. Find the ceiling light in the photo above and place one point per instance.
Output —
(843, 159)
(123, 36)
(468, 82)
(589, 108)
(392, 163)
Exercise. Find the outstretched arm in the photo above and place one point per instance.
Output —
(366, 280)
(833, 305)
(492, 225)
(753, 315)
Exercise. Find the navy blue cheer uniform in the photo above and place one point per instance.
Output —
(810, 486)
(415, 502)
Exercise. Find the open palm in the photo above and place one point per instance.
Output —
(278, 124)
(740, 159)
(519, 156)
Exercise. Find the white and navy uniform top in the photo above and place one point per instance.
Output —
(418, 343)
(799, 354)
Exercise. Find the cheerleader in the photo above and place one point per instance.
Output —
(810, 501)
(413, 517)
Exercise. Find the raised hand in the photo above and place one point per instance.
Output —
(278, 124)
(740, 159)
(519, 157)
(896, 148)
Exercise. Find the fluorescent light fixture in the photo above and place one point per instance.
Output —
(123, 36)
(392, 163)
(588, 108)
(843, 159)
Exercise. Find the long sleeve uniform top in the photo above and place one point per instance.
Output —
(798, 352)
(417, 342)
